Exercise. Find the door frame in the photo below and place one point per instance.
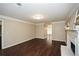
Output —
(1, 36)
(2, 32)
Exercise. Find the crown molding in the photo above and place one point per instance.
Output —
(2, 17)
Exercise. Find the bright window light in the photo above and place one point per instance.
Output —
(49, 29)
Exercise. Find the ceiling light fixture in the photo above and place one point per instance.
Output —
(38, 16)
(19, 4)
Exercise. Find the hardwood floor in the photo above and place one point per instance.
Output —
(35, 47)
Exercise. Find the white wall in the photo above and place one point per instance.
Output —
(40, 30)
(58, 31)
(15, 32)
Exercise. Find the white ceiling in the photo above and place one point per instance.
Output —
(51, 12)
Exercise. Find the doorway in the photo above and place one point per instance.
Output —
(48, 33)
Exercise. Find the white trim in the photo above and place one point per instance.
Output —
(51, 22)
(58, 21)
(14, 19)
(3, 31)
(40, 23)
(2, 28)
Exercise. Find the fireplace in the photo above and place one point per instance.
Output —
(73, 47)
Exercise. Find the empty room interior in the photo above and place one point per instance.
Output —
(39, 29)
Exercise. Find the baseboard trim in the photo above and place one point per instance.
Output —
(4, 47)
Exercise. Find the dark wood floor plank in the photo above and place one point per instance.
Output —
(35, 47)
